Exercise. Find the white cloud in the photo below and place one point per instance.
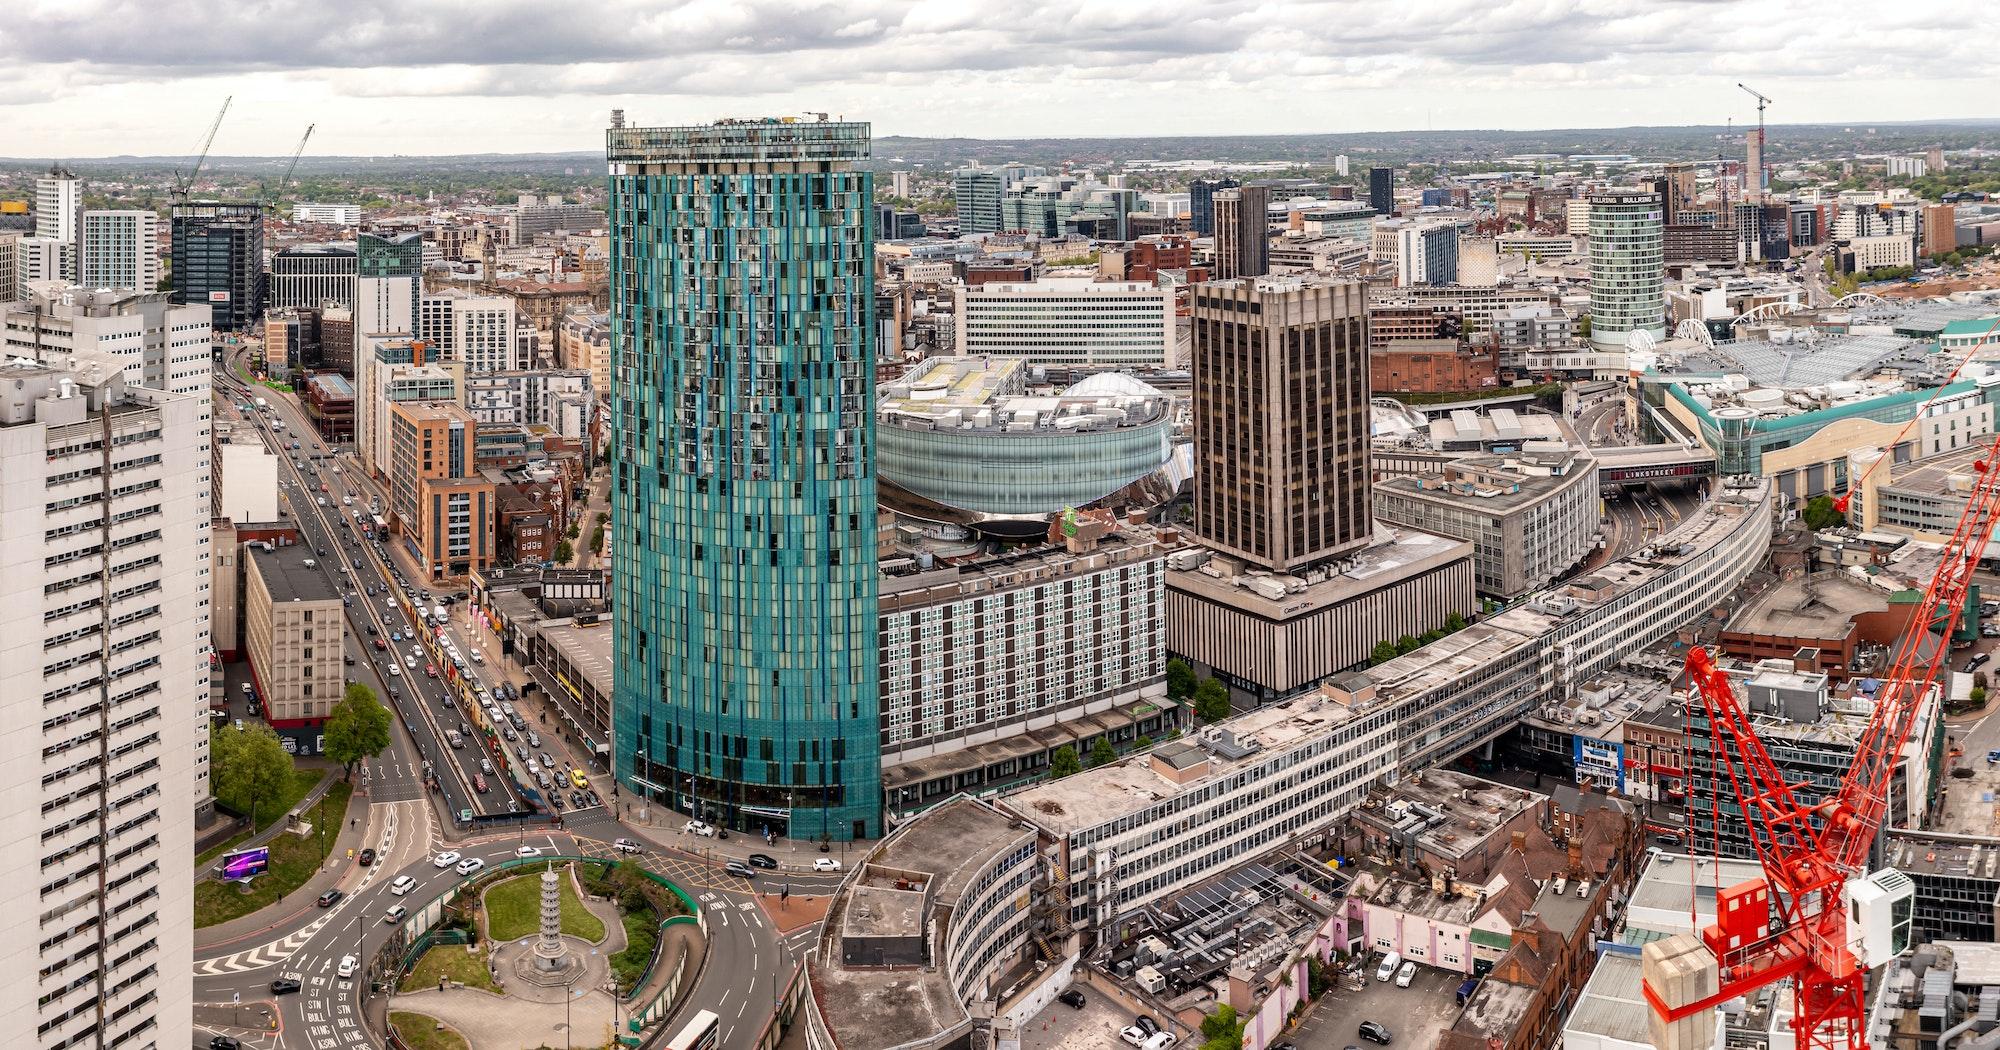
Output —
(93, 77)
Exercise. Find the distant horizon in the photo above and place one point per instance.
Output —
(1771, 128)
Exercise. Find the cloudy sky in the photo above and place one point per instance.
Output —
(83, 78)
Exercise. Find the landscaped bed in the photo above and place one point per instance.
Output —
(269, 813)
(514, 909)
(452, 961)
(421, 1032)
(293, 861)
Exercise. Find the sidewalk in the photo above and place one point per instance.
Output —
(666, 827)
(326, 779)
(299, 902)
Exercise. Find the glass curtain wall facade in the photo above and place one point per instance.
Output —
(1627, 267)
(218, 259)
(743, 546)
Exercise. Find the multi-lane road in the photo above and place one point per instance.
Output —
(748, 958)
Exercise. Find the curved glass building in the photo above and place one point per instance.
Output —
(743, 547)
(1627, 266)
(959, 431)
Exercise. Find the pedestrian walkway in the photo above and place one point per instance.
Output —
(666, 827)
(203, 871)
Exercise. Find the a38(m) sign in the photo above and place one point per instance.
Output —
(1603, 761)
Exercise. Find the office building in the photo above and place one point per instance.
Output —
(1242, 232)
(559, 401)
(443, 508)
(160, 345)
(1056, 206)
(119, 249)
(336, 339)
(39, 260)
(10, 245)
(104, 530)
(291, 341)
(1426, 253)
(978, 191)
(312, 276)
(583, 340)
(1627, 267)
(218, 259)
(388, 283)
(1382, 190)
(476, 330)
(293, 624)
(531, 219)
(394, 369)
(327, 214)
(328, 399)
(756, 496)
(1201, 203)
(1281, 419)
(1530, 516)
(1068, 321)
(58, 205)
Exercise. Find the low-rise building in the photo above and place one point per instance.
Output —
(561, 400)
(293, 631)
(329, 403)
(1068, 321)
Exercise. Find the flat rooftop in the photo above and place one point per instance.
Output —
(873, 1009)
(1933, 853)
(1941, 474)
(289, 578)
(1019, 568)
(1397, 553)
(1487, 494)
(1823, 605)
(1474, 809)
(1612, 1004)
(587, 648)
(1669, 881)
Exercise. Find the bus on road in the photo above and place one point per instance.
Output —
(700, 1034)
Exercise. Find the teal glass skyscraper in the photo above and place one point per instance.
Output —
(743, 527)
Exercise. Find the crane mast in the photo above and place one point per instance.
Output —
(271, 196)
(1756, 191)
(183, 183)
(1813, 855)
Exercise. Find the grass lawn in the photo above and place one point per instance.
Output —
(453, 961)
(269, 813)
(514, 909)
(293, 860)
(420, 1032)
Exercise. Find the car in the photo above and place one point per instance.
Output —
(825, 864)
(223, 1042)
(479, 783)
(486, 765)
(445, 859)
(367, 856)
(347, 600)
(284, 986)
(395, 671)
(1407, 974)
(403, 884)
(429, 669)
(763, 860)
(527, 851)
(576, 777)
(1072, 998)
(555, 802)
(1161, 1040)
(534, 739)
(629, 846)
(348, 964)
(547, 762)
(578, 800)
(1387, 971)
(1147, 1025)
(696, 827)
(1992, 757)
(395, 914)
(370, 628)
(521, 751)
(381, 646)
(508, 732)
(543, 780)
(1133, 1034)
(395, 636)
(470, 865)
(330, 898)
(1978, 660)
(740, 869)
(1374, 1032)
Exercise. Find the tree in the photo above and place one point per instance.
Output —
(597, 539)
(1407, 644)
(1583, 326)
(1102, 752)
(356, 728)
(1222, 1030)
(1180, 679)
(564, 551)
(1454, 623)
(1064, 762)
(1383, 653)
(1978, 696)
(1143, 743)
(1211, 700)
(1821, 514)
(248, 767)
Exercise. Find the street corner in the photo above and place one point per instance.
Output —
(247, 1021)
(796, 912)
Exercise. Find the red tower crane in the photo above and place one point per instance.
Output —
(1806, 918)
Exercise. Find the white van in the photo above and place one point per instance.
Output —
(402, 885)
(1387, 970)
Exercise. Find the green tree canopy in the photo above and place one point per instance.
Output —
(564, 552)
(247, 767)
(1064, 762)
(1407, 644)
(1222, 1030)
(1211, 700)
(1180, 679)
(1822, 514)
(1454, 622)
(357, 728)
(1383, 653)
(1102, 752)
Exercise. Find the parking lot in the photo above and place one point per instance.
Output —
(1415, 1016)
(1095, 1027)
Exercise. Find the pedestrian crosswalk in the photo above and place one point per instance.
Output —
(687, 874)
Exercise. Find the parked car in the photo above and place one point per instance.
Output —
(330, 898)
(1161, 1041)
(629, 846)
(223, 1042)
(1146, 1024)
(1374, 1032)
(1407, 974)
(1387, 971)
(825, 864)
(760, 860)
(1072, 999)
(1133, 1034)
(696, 827)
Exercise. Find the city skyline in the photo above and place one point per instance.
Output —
(931, 68)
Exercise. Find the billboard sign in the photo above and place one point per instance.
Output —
(1603, 761)
(218, 297)
(246, 863)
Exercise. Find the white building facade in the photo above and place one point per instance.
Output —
(327, 214)
(119, 249)
(1068, 321)
(104, 529)
(160, 345)
(475, 329)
